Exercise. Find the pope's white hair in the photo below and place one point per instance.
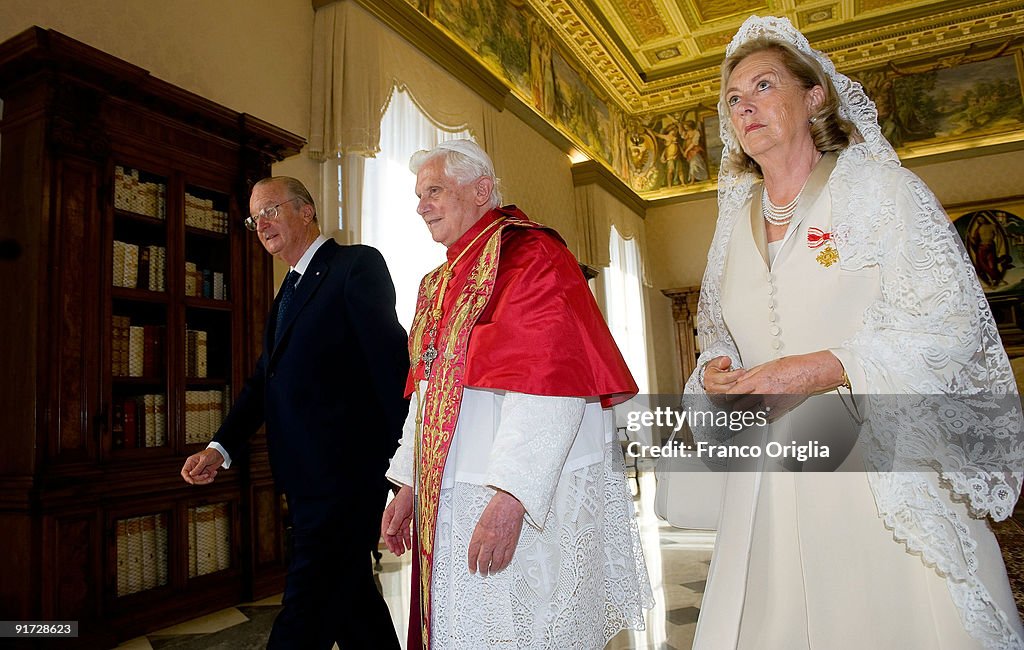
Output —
(464, 162)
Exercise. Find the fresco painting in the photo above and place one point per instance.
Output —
(580, 111)
(931, 105)
(994, 238)
(966, 101)
(494, 30)
(671, 151)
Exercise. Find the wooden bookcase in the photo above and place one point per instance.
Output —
(134, 303)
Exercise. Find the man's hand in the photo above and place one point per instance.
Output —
(201, 468)
(496, 534)
(396, 524)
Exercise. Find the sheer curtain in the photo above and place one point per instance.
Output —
(389, 219)
(625, 306)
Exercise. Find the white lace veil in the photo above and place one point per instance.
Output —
(854, 106)
(931, 335)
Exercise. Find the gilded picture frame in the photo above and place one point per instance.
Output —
(993, 234)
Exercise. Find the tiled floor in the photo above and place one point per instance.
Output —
(677, 561)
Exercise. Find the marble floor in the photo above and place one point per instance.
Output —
(677, 561)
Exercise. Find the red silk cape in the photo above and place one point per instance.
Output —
(541, 332)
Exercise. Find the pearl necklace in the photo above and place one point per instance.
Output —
(781, 215)
(778, 215)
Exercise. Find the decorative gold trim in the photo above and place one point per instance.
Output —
(443, 396)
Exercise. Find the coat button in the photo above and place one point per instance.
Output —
(776, 344)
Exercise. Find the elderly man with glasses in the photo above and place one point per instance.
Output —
(329, 388)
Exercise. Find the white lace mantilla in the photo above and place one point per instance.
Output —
(931, 334)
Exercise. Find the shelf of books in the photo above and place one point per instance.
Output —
(209, 538)
(207, 254)
(138, 325)
(141, 549)
(207, 372)
(207, 312)
(148, 307)
(145, 559)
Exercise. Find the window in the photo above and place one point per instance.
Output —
(389, 219)
(625, 306)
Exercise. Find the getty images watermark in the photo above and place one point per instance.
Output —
(733, 421)
(974, 435)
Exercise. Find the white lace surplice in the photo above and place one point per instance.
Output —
(578, 574)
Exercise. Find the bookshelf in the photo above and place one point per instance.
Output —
(137, 309)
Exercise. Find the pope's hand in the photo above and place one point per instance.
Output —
(396, 524)
(496, 534)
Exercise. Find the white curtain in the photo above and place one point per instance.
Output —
(389, 219)
(625, 306)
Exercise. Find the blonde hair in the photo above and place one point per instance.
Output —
(829, 130)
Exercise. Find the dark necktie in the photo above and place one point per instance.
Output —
(287, 291)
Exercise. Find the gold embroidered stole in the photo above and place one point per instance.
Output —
(439, 408)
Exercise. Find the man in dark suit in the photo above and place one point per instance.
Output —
(329, 387)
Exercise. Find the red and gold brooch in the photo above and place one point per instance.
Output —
(816, 238)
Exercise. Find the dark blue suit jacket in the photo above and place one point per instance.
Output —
(331, 390)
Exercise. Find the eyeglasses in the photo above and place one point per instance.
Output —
(266, 213)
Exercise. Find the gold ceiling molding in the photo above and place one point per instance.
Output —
(861, 35)
(569, 20)
(605, 92)
(599, 34)
(642, 19)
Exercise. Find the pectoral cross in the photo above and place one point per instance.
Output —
(427, 358)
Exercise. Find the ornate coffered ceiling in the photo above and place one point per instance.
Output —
(617, 83)
(656, 55)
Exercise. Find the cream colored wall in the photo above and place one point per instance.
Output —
(249, 55)
(984, 178)
(535, 175)
(252, 56)
(678, 237)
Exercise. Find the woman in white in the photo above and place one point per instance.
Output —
(833, 268)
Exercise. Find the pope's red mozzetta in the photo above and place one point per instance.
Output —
(541, 332)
